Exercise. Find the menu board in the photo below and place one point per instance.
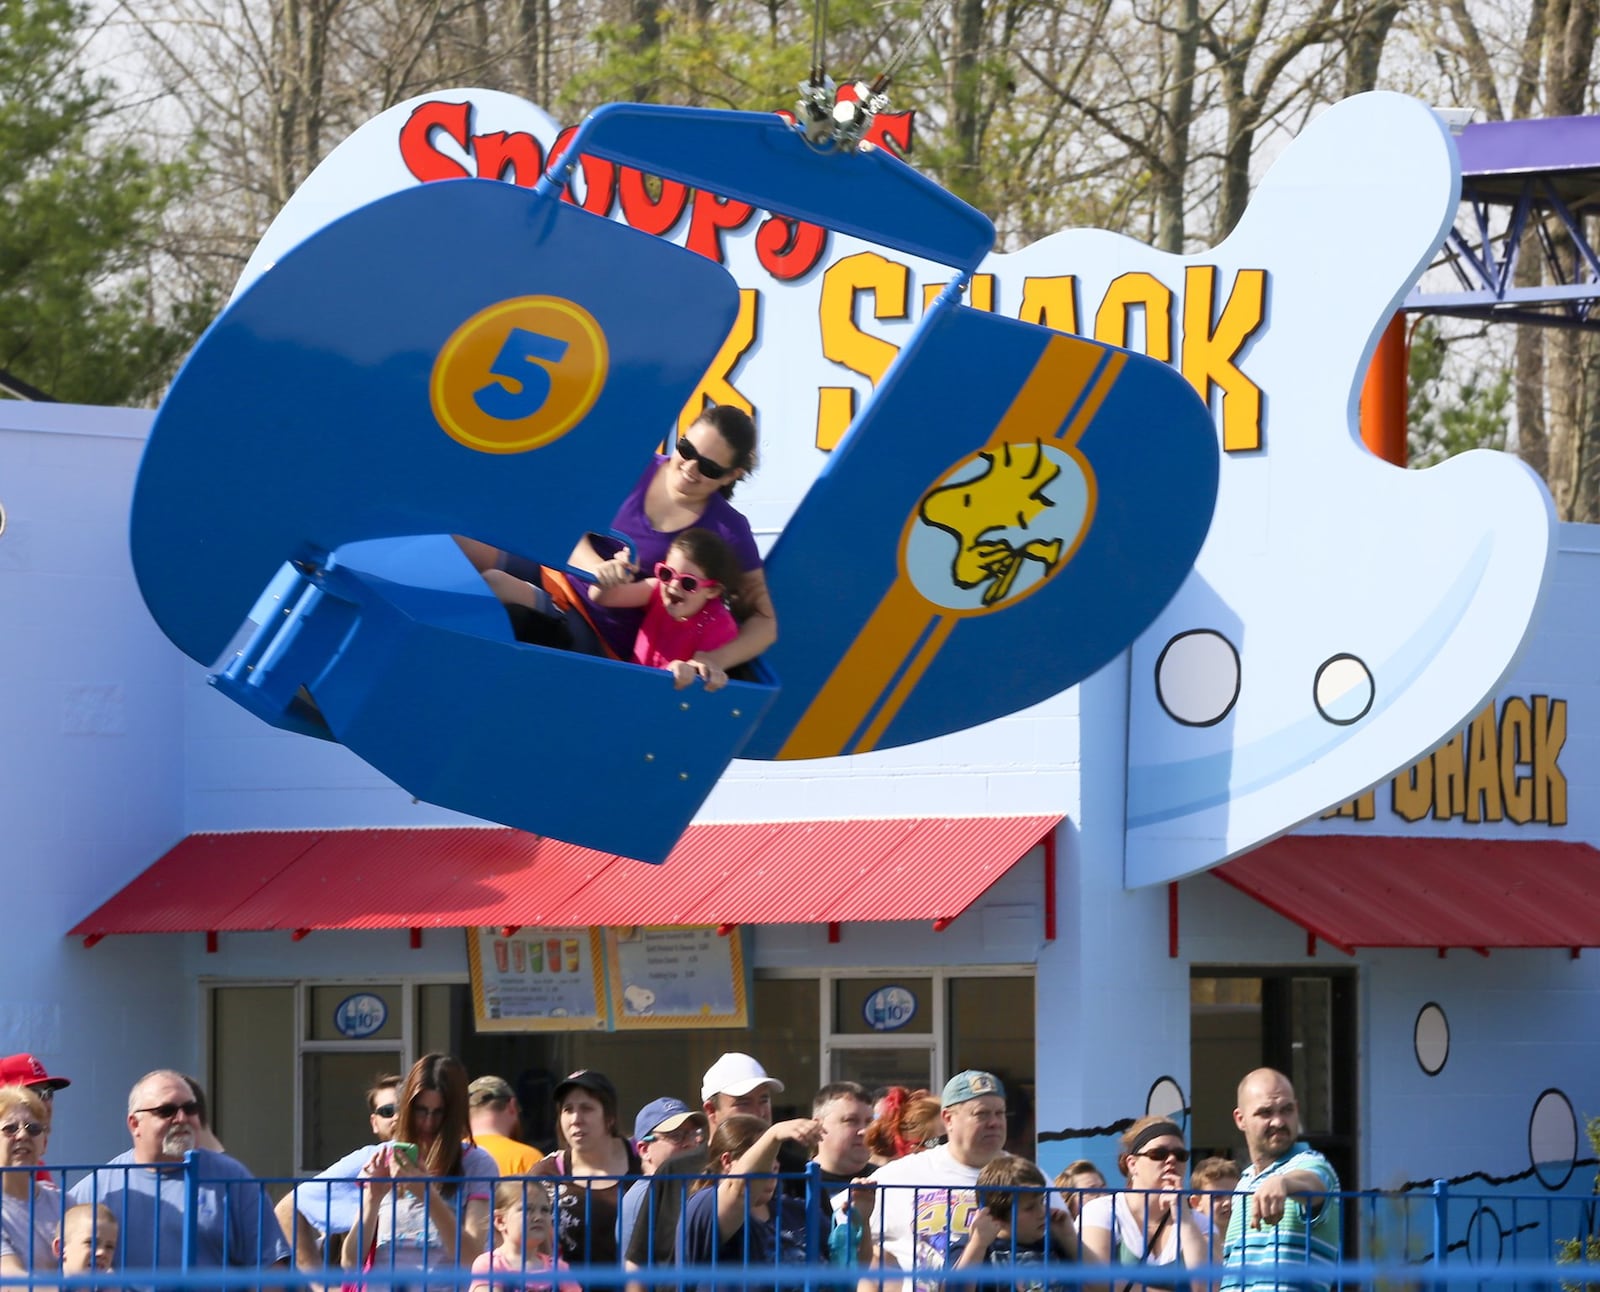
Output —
(676, 976)
(537, 979)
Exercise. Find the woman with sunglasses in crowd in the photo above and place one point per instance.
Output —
(30, 1207)
(1147, 1233)
(424, 1195)
(689, 488)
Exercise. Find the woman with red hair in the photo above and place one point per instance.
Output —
(907, 1122)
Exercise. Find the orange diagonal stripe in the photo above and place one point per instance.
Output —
(871, 663)
(861, 675)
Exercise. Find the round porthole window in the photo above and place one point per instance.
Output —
(1431, 1039)
(1553, 1139)
(1166, 1100)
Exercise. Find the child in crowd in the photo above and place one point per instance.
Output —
(686, 607)
(88, 1239)
(1211, 1186)
(1078, 1183)
(737, 1218)
(522, 1222)
(1015, 1226)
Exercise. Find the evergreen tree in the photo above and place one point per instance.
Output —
(81, 317)
(1456, 402)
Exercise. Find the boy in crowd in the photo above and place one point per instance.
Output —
(1211, 1186)
(88, 1239)
(1015, 1226)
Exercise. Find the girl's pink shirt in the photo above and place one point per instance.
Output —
(663, 639)
(515, 1270)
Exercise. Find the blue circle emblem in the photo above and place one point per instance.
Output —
(360, 1015)
(889, 1008)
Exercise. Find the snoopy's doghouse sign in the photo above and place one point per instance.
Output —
(1085, 446)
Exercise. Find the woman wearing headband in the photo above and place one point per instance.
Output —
(1146, 1233)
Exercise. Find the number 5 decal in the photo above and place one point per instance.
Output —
(522, 383)
(519, 374)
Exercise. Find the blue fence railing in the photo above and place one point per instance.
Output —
(202, 1224)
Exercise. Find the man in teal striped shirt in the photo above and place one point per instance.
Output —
(1286, 1208)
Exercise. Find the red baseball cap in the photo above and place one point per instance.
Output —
(25, 1070)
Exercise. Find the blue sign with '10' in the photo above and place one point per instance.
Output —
(889, 1008)
(360, 1015)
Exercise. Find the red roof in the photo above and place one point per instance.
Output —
(810, 872)
(1379, 891)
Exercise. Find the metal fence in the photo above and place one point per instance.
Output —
(200, 1224)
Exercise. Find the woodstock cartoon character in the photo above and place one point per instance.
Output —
(1010, 494)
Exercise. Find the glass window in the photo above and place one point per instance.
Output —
(991, 1028)
(444, 1018)
(252, 1075)
(874, 1068)
(355, 1012)
(334, 1101)
(868, 1006)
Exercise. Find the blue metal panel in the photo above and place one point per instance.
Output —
(759, 158)
(303, 419)
(905, 653)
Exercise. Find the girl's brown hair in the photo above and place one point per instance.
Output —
(734, 1137)
(713, 555)
(446, 1076)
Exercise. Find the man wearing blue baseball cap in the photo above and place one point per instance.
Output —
(927, 1200)
(663, 1128)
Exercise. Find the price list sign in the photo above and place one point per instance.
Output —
(537, 979)
(667, 976)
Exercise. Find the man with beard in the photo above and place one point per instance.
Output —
(926, 1201)
(145, 1189)
(1286, 1207)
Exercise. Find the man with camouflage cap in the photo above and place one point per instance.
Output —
(927, 1200)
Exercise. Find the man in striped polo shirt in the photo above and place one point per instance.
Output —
(1286, 1208)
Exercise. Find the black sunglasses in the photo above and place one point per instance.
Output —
(168, 1111)
(1162, 1154)
(383, 1110)
(710, 469)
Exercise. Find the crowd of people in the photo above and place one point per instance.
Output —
(892, 1186)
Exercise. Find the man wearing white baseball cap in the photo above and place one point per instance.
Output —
(736, 1083)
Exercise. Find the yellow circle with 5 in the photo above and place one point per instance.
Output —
(519, 374)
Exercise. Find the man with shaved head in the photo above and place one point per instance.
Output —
(1286, 1208)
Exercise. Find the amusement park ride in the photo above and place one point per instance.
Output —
(360, 402)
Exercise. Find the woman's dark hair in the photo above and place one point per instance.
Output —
(445, 1076)
(607, 1099)
(733, 1138)
(738, 428)
(713, 555)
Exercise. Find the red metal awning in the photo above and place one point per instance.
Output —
(1382, 891)
(812, 872)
